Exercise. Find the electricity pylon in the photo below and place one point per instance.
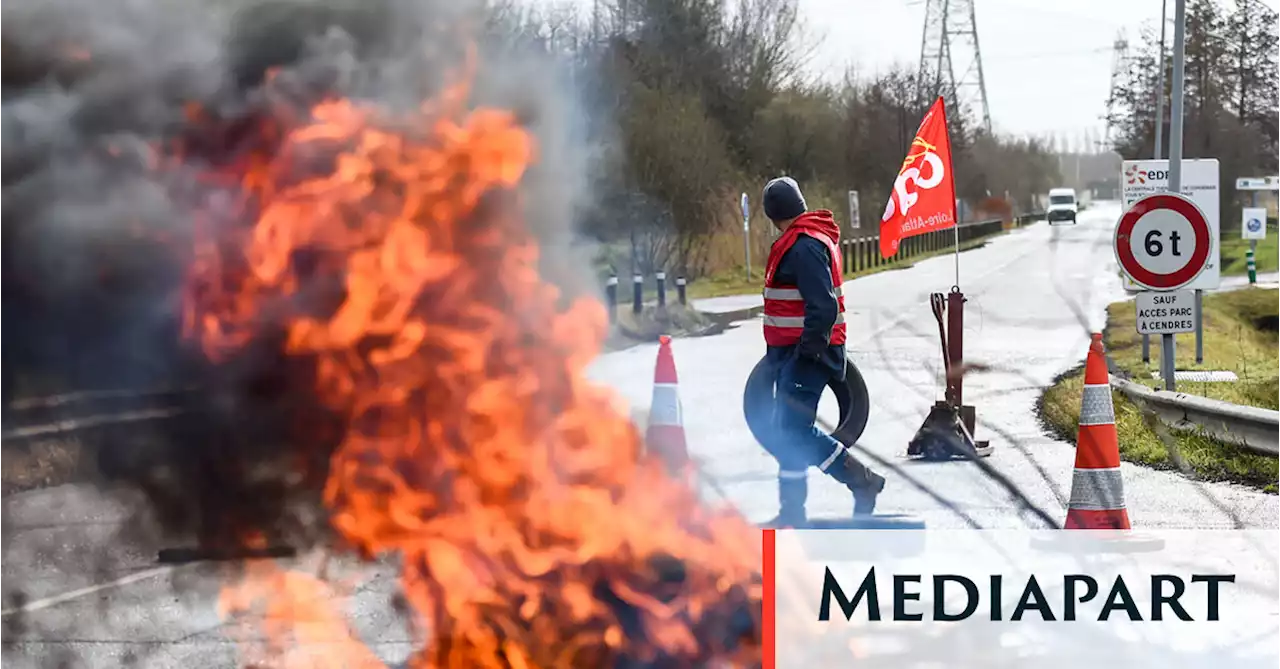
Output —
(951, 35)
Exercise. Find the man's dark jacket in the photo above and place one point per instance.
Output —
(807, 266)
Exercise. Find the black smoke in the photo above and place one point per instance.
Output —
(114, 111)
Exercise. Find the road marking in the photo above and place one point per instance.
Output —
(38, 604)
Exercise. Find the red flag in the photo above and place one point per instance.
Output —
(924, 194)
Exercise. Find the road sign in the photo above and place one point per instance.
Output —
(1166, 312)
(1140, 178)
(746, 213)
(1258, 183)
(1162, 242)
(854, 216)
(1253, 223)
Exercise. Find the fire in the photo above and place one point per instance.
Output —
(389, 255)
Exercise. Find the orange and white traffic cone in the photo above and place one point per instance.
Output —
(1097, 488)
(665, 435)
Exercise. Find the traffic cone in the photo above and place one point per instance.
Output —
(1097, 489)
(665, 435)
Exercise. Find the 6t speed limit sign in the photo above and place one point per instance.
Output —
(1162, 241)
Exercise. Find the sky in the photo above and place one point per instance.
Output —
(1047, 63)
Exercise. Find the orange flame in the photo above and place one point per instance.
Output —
(530, 529)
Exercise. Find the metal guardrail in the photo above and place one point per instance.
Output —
(863, 253)
(1252, 428)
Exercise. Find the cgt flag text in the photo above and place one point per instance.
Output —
(924, 194)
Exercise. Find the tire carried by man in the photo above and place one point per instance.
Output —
(852, 398)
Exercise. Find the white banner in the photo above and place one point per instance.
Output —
(1021, 598)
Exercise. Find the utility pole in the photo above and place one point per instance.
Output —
(950, 24)
(1164, 6)
(1175, 156)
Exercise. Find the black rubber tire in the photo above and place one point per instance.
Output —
(851, 396)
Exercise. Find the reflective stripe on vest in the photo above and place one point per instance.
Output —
(794, 321)
(784, 306)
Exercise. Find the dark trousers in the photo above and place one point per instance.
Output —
(800, 443)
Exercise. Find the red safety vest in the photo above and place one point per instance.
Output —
(783, 305)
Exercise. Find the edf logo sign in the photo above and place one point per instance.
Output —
(1137, 175)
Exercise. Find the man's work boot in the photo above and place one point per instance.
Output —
(862, 482)
(792, 493)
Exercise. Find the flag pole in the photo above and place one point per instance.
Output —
(955, 209)
(956, 228)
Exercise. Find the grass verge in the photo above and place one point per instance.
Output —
(1267, 256)
(1239, 335)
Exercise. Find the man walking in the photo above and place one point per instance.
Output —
(804, 328)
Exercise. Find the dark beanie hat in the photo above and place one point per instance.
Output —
(782, 199)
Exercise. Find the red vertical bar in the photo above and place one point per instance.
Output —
(768, 640)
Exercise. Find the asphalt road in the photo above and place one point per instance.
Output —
(90, 602)
(1034, 295)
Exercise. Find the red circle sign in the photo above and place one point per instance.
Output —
(1159, 266)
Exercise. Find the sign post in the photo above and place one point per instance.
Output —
(854, 215)
(1162, 244)
(1253, 227)
(746, 233)
(1254, 219)
(1199, 181)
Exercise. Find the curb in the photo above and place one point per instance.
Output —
(1252, 428)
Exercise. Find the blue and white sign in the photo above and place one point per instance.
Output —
(1258, 183)
(746, 213)
(1253, 223)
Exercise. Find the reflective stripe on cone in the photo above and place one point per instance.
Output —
(665, 434)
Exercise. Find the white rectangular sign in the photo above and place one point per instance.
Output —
(1253, 223)
(1257, 183)
(1140, 178)
(854, 217)
(1048, 599)
(1166, 312)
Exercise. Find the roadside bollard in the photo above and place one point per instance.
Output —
(637, 294)
(611, 295)
(680, 290)
(662, 289)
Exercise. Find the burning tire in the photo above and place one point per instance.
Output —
(851, 396)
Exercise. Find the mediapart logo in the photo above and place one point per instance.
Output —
(1165, 592)
(1168, 598)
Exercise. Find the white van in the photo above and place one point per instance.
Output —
(1062, 205)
